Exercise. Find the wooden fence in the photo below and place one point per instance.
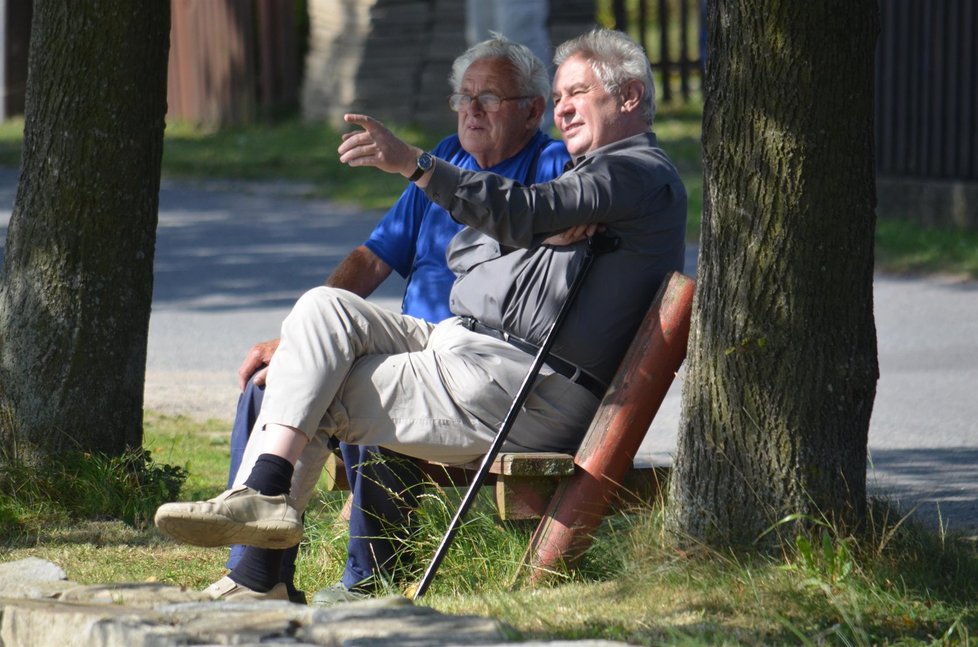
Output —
(927, 89)
(232, 61)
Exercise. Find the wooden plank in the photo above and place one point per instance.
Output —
(278, 54)
(684, 63)
(950, 137)
(965, 81)
(664, 49)
(524, 483)
(334, 474)
(524, 498)
(533, 464)
(910, 87)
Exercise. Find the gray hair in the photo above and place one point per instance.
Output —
(532, 78)
(616, 59)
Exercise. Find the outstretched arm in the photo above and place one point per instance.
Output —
(376, 146)
(506, 215)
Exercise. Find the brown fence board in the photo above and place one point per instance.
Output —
(231, 60)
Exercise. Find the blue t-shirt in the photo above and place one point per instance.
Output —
(413, 234)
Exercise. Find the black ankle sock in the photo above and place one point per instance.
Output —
(271, 475)
(258, 568)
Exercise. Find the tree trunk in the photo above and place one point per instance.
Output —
(78, 274)
(782, 363)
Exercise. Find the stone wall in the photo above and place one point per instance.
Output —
(391, 58)
(39, 607)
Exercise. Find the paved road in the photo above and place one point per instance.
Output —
(231, 259)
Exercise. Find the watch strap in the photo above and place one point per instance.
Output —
(418, 172)
(425, 162)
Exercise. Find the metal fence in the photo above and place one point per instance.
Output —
(927, 89)
(671, 31)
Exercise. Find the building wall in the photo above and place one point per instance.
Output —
(391, 58)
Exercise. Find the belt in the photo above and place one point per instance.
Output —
(572, 372)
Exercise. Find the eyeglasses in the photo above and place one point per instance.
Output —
(488, 101)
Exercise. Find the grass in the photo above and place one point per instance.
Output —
(899, 584)
(905, 248)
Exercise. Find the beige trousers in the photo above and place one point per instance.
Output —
(351, 369)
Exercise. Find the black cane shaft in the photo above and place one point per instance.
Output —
(594, 247)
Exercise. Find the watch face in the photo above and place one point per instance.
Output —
(425, 161)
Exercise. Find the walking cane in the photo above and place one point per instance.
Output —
(596, 245)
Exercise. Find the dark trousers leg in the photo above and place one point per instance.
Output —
(249, 404)
(384, 489)
(383, 496)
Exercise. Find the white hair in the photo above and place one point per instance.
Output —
(530, 74)
(616, 59)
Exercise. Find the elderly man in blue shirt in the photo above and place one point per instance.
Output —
(500, 89)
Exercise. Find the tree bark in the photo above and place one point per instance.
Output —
(78, 273)
(782, 363)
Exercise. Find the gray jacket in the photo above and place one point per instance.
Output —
(508, 280)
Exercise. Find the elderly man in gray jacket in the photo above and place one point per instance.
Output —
(349, 369)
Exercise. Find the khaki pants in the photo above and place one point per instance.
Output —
(350, 369)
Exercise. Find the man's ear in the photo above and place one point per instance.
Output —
(537, 106)
(631, 95)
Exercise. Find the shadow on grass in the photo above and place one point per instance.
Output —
(94, 532)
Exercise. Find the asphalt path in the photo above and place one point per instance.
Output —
(232, 257)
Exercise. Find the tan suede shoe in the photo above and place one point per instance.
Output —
(227, 589)
(238, 516)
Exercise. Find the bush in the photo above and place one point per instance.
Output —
(85, 486)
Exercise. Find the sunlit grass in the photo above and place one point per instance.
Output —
(295, 150)
(11, 138)
(905, 247)
(201, 448)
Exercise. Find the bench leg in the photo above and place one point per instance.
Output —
(617, 430)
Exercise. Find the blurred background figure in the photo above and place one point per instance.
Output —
(523, 21)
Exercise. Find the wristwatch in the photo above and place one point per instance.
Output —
(425, 162)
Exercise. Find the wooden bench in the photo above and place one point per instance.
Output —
(524, 482)
(572, 494)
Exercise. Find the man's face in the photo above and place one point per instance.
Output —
(586, 114)
(492, 137)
